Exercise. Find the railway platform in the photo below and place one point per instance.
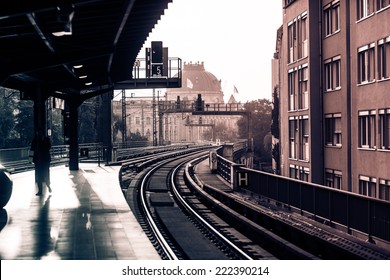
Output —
(86, 217)
(203, 172)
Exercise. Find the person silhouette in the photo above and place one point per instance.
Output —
(41, 146)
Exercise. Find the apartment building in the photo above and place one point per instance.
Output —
(333, 69)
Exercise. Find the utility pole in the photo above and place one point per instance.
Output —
(154, 119)
(124, 128)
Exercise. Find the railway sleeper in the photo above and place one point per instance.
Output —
(195, 245)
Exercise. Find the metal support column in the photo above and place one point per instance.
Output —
(250, 152)
(124, 128)
(107, 129)
(40, 110)
(40, 123)
(154, 119)
(73, 105)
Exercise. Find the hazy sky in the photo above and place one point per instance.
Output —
(235, 40)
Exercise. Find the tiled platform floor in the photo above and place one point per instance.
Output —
(85, 217)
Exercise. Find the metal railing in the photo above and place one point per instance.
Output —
(224, 167)
(15, 159)
(351, 211)
(348, 211)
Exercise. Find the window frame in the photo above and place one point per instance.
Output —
(384, 189)
(381, 5)
(367, 186)
(383, 58)
(304, 136)
(302, 34)
(364, 9)
(366, 64)
(367, 129)
(292, 89)
(331, 13)
(299, 172)
(303, 87)
(293, 138)
(333, 135)
(384, 129)
(291, 40)
(332, 74)
(333, 178)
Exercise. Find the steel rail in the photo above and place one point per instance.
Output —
(205, 223)
(159, 236)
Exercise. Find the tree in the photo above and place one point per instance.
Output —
(275, 131)
(220, 131)
(24, 123)
(116, 128)
(56, 126)
(7, 108)
(89, 121)
(137, 137)
(261, 111)
(275, 114)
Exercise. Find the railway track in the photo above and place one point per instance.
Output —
(179, 224)
(179, 233)
(192, 220)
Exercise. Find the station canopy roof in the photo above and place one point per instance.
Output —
(72, 46)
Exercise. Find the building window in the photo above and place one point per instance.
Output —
(291, 89)
(299, 172)
(384, 189)
(302, 36)
(384, 58)
(288, 2)
(364, 8)
(147, 120)
(367, 186)
(297, 36)
(304, 174)
(333, 178)
(303, 93)
(299, 138)
(294, 172)
(137, 120)
(293, 135)
(332, 73)
(384, 129)
(367, 129)
(292, 40)
(304, 139)
(333, 129)
(332, 18)
(381, 4)
(366, 64)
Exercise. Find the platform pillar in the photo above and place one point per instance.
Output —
(73, 134)
(40, 110)
(107, 127)
(40, 129)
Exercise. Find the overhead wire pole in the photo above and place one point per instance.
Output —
(160, 121)
(154, 119)
(124, 128)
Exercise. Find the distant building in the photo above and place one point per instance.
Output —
(139, 117)
(179, 126)
(332, 71)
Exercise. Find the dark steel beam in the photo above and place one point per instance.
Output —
(22, 7)
(119, 30)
